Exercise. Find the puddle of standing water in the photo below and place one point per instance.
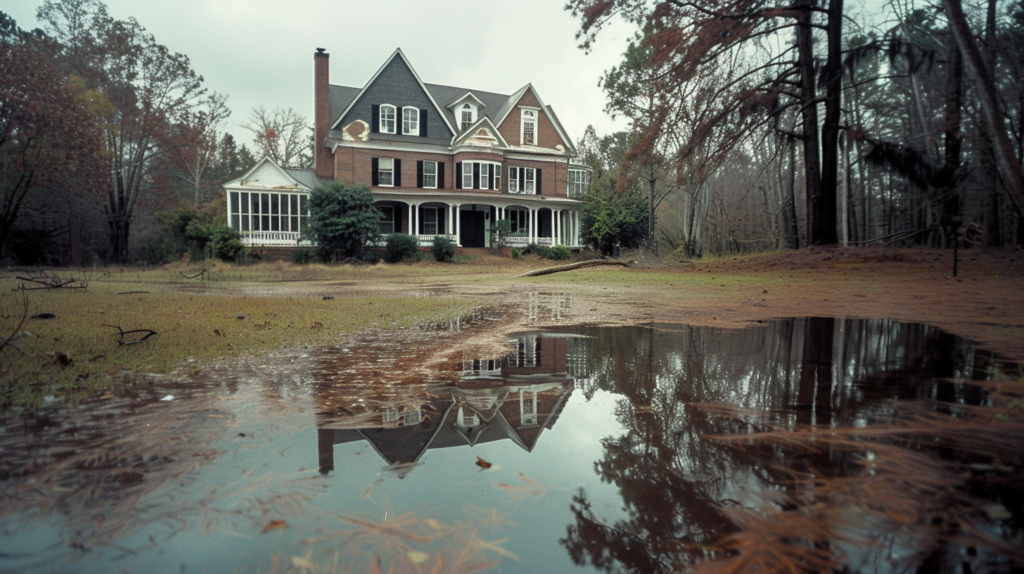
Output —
(805, 443)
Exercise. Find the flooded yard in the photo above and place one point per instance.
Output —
(801, 444)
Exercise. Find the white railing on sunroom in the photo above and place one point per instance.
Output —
(288, 238)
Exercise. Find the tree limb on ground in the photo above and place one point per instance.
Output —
(121, 335)
(570, 267)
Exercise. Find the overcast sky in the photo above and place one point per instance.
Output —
(260, 52)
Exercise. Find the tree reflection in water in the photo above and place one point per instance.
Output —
(684, 489)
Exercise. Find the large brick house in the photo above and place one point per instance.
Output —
(438, 159)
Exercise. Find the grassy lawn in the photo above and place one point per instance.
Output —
(76, 354)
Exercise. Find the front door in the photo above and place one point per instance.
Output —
(471, 228)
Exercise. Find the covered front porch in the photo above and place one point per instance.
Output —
(471, 221)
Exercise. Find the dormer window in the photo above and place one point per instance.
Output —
(467, 116)
(528, 134)
(410, 121)
(387, 119)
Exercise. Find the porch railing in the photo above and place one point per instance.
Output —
(286, 238)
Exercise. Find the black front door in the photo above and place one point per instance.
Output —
(471, 228)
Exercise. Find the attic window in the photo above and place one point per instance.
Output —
(529, 128)
(467, 116)
(410, 121)
(387, 119)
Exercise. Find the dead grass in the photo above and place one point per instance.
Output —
(76, 354)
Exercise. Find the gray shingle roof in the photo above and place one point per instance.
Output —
(306, 177)
(339, 97)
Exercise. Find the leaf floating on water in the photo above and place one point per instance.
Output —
(530, 480)
(417, 557)
(274, 525)
(493, 546)
(483, 463)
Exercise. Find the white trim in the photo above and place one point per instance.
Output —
(475, 128)
(397, 52)
(523, 110)
(425, 162)
(381, 169)
(394, 119)
(416, 131)
(519, 95)
(479, 102)
(237, 183)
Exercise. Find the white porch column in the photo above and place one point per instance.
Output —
(533, 225)
(458, 225)
(448, 221)
(576, 229)
(554, 228)
(409, 224)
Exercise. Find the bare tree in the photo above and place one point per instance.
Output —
(196, 142)
(279, 134)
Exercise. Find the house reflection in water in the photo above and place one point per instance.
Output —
(514, 397)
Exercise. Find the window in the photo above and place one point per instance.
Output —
(529, 184)
(467, 116)
(387, 119)
(480, 174)
(385, 171)
(430, 174)
(529, 128)
(387, 220)
(578, 182)
(513, 180)
(429, 221)
(410, 121)
(528, 408)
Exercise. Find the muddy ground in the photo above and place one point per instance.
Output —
(984, 302)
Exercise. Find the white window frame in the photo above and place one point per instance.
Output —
(382, 171)
(387, 218)
(528, 116)
(464, 123)
(578, 184)
(513, 181)
(529, 180)
(426, 175)
(432, 210)
(485, 170)
(384, 129)
(467, 172)
(411, 127)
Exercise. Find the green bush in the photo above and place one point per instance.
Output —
(517, 253)
(400, 247)
(444, 248)
(341, 219)
(559, 253)
(303, 256)
(227, 243)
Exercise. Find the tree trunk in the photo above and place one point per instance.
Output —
(989, 172)
(809, 113)
(952, 214)
(833, 77)
(792, 229)
(1009, 169)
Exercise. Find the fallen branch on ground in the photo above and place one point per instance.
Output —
(24, 317)
(52, 282)
(132, 292)
(200, 274)
(570, 267)
(121, 335)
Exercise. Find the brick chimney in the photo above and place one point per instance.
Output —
(324, 163)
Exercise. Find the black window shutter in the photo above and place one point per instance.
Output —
(373, 166)
(476, 175)
(458, 175)
(398, 173)
(375, 120)
(538, 182)
(423, 123)
(440, 175)
(419, 173)
(490, 178)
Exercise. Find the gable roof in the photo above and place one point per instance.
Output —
(397, 54)
(471, 131)
(301, 178)
(514, 99)
(458, 101)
